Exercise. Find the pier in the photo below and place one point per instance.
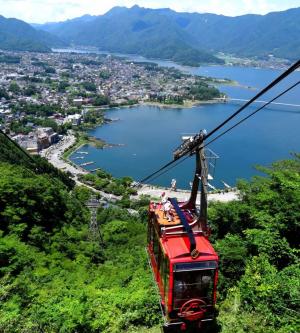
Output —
(241, 100)
(77, 157)
(87, 163)
(94, 170)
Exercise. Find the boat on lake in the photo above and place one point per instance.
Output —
(87, 163)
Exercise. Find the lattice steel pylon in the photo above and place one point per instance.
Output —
(95, 232)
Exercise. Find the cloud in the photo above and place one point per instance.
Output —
(57, 10)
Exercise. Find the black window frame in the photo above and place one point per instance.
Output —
(202, 266)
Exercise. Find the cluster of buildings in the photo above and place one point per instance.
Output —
(75, 83)
(41, 138)
(116, 78)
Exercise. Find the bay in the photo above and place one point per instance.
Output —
(150, 134)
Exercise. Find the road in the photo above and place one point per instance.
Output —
(183, 195)
(54, 155)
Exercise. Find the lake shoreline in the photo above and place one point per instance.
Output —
(105, 144)
(55, 155)
(167, 126)
(242, 62)
(185, 105)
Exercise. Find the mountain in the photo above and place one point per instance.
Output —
(20, 36)
(164, 33)
(135, 30)
(187, 38)
(276, 33)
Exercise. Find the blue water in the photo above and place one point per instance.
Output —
(150, 133)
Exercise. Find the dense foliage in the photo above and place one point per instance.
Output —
(3, 93)
(38, 110)
(10, 153)
(203, 92)
(104, 181)
(257, 239)
(4, 58)
(56, 277)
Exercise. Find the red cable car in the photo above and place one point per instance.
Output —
(183, 261)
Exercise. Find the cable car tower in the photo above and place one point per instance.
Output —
(93, 204)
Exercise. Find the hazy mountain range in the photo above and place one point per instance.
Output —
(163, 33)
(20, 36)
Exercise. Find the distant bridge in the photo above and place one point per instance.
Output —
(240, 100)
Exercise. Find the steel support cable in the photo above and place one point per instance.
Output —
(267, 88)
(263, 91)
(179, 161)
(253, 113)
(162, 172)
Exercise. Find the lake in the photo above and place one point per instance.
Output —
(150, 134)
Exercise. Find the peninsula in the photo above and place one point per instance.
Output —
(43, 95)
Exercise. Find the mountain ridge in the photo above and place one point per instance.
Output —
(17, 35)
(186, 38)
(249, 35)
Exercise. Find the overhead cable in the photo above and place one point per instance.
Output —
(253, 113)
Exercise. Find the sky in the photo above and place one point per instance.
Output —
(41, 11)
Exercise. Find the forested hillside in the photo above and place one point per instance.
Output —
(257, 239)
(55, 277)
(136, 30)
(20, 36)
(11, 153)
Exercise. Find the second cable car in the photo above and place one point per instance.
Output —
(183, 261)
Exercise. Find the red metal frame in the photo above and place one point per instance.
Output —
(176, 249)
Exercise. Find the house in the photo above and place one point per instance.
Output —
(28, 142)
(74, 119)
(78, 101)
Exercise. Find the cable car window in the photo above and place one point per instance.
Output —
(193, 284)
(153, 235)
(195, 266)
(159, 258)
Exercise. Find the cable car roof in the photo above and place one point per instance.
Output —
(178, 248)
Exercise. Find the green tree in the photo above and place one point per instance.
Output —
(101, 100)
(30, 90)
(61, 88)
(232, 251)
(89, 86)
(14, 88)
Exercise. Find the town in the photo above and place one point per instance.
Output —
(43, 95)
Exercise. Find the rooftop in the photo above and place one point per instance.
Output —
(178, 248)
